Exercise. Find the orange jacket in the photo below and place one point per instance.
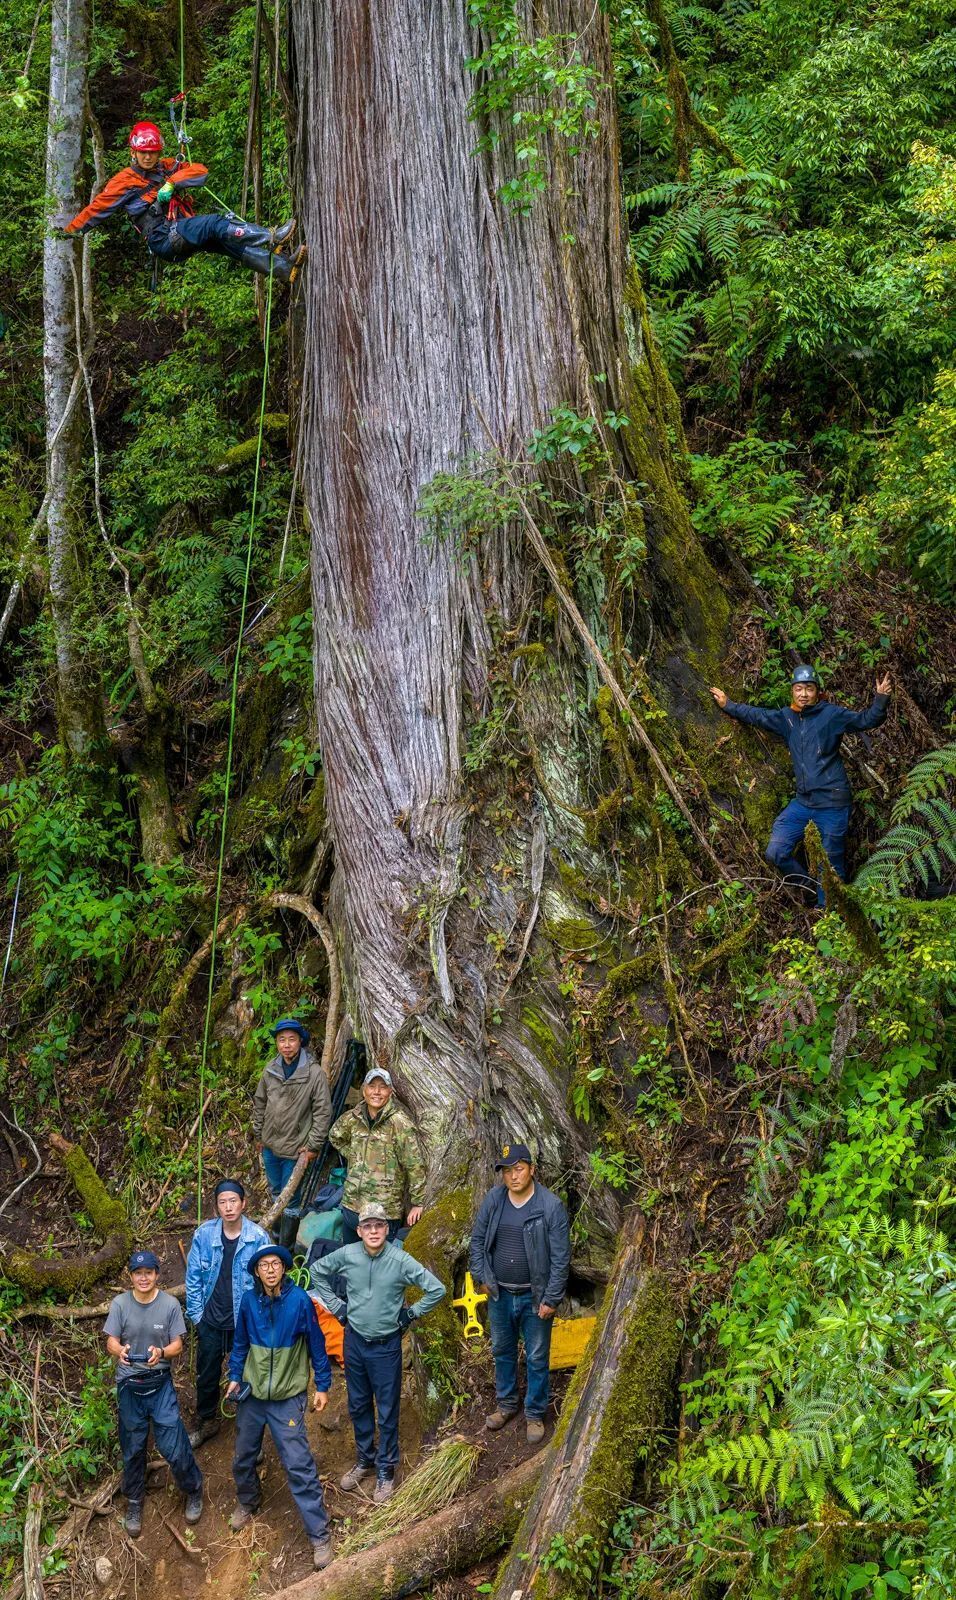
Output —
(134, 191)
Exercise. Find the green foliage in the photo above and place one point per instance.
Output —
(290, 653)
(921, 844)
(538, 88)
(827, 1415)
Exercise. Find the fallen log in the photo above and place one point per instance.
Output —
(32, 1559)
(611, 1419)
(466, 1532)
(76, 1313)
(75, 1524)
(108, 1216)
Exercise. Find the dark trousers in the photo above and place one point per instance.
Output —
(350, 1226)
(512, 1317)
(286, 1422)
(212, 1347)
(373, 1378)
(228, 236)
(785, 847)
(137, 1409)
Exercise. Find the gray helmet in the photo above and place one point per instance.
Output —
(805, 675)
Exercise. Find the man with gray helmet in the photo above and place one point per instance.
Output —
(380, 1146)
(376, 1274)
(812, 728)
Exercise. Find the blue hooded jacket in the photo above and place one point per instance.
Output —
(813, 738)
(277, 1339)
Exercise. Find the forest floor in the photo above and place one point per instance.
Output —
(273, 1551)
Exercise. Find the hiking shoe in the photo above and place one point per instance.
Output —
(242, 1516)
(535, 1430)
(384, 1489)
(356, 1475)
(321, 1552)
(207, 1429)
(194, 1506)
(498, 1419)
(134, 1518)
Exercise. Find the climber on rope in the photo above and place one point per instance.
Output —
(812, 729)
(154, 191)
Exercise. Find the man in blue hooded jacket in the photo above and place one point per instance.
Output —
(277, 1340)
(217, 1277)
(812, 729)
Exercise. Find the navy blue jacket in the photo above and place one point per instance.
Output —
(813, 738)
(547, 1241)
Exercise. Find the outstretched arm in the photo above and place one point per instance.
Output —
(111, 198)
(875, 714)
(757, 716)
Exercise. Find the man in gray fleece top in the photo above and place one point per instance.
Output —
(376, 1276)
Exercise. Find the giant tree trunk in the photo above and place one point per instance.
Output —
(434, 317)
(80, 700)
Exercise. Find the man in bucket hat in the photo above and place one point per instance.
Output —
(144, 1330)
(521, 1254)
(277, 1339)
(385, 1167)
(376, 1274)
(292, 1107)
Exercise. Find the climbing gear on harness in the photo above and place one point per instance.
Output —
(179, 102)
(146, 136)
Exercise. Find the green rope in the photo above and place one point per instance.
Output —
(182, 47)
(229, 748)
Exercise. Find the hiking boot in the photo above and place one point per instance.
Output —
(134, 1518)
(207, 1429)
(265, 262)
(356, 1475)
(498, 1419)
(535, 1430)
(242, 1516)
(283, 233)
(194, 1506)
(321, 1552)
(384, 1489)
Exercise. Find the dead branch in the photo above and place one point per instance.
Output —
(108, 1216)
(77, 1313)
(453, 1540)
(298, 902)
(32, 1560)
(38, 1158)
(268, 1221)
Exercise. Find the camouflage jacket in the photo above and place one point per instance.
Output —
(384, 1160)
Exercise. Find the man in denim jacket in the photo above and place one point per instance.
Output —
(217, 1277)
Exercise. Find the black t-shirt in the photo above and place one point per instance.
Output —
(219, 1310)
(509, 1259)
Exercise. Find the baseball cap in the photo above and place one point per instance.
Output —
(377, 1072)
(512, 1153)
(372, 1213)
(143, 1258)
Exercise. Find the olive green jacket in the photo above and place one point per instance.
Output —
(292, 1114)
(384, 1160)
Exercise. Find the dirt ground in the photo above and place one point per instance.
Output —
(273, 1551)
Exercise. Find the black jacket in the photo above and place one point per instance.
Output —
(813, 738)
(547, 1240)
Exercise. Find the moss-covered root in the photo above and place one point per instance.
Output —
(456, 1539)
(438, 1241)
(842, 900)
(611, 1418)
(69, 1273)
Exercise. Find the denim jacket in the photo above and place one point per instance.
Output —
(205, 1260)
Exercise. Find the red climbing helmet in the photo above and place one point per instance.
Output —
(146, 136)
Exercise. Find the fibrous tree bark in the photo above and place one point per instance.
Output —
(80, 699)
(435, 317)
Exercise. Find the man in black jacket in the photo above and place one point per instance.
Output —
(812, 729)
(520, 1254)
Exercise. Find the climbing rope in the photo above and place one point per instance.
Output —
(233, 700)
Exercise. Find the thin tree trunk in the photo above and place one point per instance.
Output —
(80, 700)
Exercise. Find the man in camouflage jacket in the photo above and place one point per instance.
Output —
(385, 1164)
